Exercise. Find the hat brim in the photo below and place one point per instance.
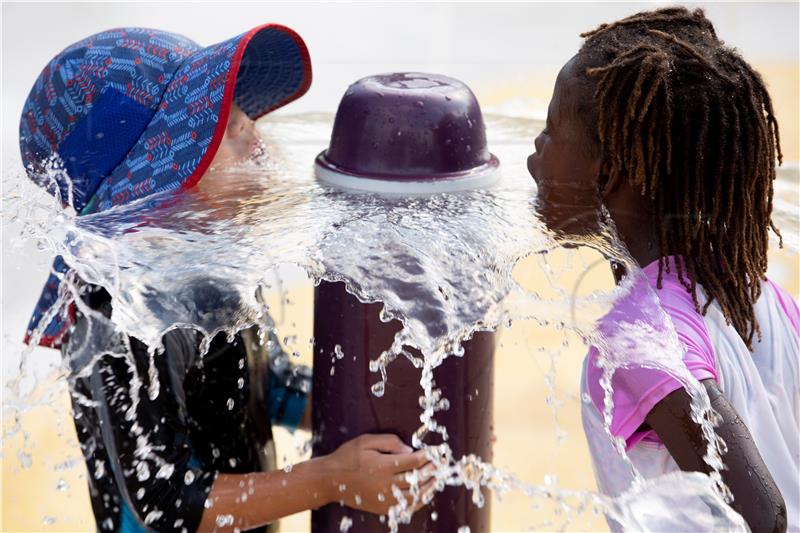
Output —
(263, 69)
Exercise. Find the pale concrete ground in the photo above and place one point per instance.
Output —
(50, 494)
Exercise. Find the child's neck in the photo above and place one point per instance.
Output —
(637, 230)
(633, 217)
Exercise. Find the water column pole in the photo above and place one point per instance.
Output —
(398, 134)
(344, 406)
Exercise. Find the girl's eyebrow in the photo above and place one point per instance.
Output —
(548, 123)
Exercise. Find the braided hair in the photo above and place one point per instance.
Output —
(691, 126)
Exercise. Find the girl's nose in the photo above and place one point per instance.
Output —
(537, 143)
(243, 125)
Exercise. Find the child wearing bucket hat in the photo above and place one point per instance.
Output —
(124, 114)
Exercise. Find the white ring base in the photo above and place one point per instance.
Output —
(485, 178)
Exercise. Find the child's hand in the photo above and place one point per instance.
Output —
(365, 469)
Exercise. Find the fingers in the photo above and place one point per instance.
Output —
(426, 491)
(400, 480)
(409, 461)
(386, 443)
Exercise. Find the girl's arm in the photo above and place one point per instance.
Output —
(355, 474)
(755, 495)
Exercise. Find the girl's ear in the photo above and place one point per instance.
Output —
(609, 179)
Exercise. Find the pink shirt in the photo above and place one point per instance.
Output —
(637, 390)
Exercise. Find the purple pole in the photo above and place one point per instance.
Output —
(344, 406)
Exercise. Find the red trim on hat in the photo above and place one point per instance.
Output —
(227, 97)
(54, 341)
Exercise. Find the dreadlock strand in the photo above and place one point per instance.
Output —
(699, 186)
(691, 126)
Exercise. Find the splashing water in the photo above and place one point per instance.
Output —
(441, 264)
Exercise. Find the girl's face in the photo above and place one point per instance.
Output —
(239, 141)
(565, 165)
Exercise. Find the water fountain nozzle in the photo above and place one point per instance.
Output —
(406, 133)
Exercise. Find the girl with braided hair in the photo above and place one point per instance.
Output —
(660, 126)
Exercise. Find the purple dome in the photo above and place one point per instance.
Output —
(408, 127)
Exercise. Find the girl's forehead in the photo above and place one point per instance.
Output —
(569, 93)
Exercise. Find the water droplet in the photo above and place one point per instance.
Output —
(99, 469)
(48, 520)
(419, 103)
(142, 471)
(231, 404)
(338, 351)
(152, 516)
(62, 485)
(188, 477)
(165, 471)
(224, 520)
(66, 465)
(25, 460)
(345, 524)
(378, 389)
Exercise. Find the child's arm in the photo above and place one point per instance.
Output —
(355, 474)
(755, 495)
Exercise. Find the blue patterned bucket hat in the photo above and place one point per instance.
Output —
(134, 111)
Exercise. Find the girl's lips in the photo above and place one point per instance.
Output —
(533, 166)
